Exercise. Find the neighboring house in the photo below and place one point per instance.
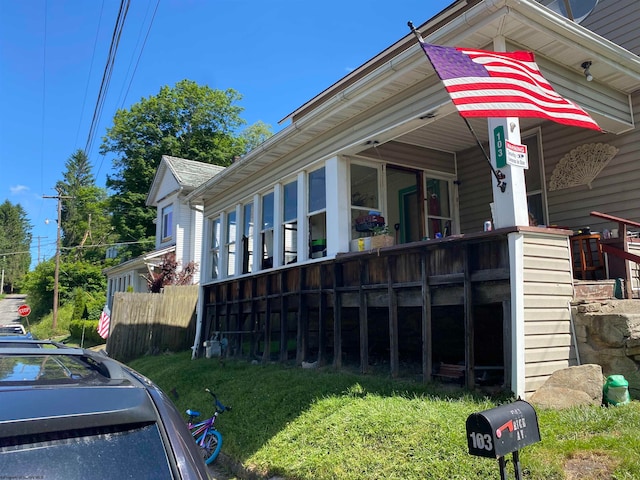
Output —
(282, 271)
(178, 224)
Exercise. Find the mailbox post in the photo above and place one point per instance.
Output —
(502, 430)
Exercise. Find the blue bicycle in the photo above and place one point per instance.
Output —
(205, 434)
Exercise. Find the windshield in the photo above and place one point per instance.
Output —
(105, 453)
(33, 368)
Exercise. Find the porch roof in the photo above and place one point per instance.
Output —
(397, 96)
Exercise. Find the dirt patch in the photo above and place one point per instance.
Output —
(591, 465)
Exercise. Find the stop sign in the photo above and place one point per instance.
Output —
(24, 310)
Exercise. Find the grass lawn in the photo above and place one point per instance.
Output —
(315, 424)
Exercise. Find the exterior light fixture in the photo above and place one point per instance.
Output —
(587, 74)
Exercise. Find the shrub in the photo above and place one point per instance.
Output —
(90, 331)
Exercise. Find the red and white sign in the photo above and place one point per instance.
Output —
(24, 310)
(517, 155)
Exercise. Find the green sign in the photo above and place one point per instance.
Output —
(500, 146)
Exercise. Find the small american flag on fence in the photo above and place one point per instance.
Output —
(104, 322)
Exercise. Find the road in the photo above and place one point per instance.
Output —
(9, 308)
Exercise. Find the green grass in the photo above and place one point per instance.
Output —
(321, 424)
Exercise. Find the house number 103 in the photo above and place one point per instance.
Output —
(481, 441)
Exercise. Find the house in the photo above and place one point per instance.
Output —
(289, 272)
(178, 224)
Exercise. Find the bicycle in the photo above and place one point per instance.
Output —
(205, 434)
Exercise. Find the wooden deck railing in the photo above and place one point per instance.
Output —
(618, 248)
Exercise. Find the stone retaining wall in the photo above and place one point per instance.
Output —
(608, 334)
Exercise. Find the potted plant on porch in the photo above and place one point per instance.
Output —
(381, 237)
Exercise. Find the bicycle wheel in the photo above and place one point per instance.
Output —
(210, 445)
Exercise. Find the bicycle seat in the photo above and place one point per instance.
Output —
(193, 413)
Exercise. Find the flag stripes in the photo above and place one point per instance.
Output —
(104, 322)
(501, 84)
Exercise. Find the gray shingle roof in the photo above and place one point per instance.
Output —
(190, 173)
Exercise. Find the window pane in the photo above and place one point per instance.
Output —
(231, 260)
(364, 186)
(291, 201)
(267, 249)
(290, 242)
(231, 227)
(532, 174)
(167, 221)
(247, 239)
(215, 233)
(267, 211)
(438, 198)
(317, 190)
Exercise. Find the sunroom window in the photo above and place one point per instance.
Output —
(365, 200)
(290, 222)
(214, 248)
(230, 246)
(266, 230)
(317, 213)
(247, 238)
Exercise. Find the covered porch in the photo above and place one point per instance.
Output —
(412, 310)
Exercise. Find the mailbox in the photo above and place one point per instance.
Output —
(502, 430)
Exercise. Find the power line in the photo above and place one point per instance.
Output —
(108, 71)
(93, 56)
(144, 43)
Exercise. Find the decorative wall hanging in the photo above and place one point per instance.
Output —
(581, 165)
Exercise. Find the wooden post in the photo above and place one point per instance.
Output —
(426, 318)
(392, 302)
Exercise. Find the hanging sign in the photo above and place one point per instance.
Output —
(517, 154)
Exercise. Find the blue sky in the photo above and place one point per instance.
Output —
(277, 54)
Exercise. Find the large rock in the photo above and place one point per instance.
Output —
(570, 387)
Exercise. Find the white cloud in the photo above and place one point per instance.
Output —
(18, 189)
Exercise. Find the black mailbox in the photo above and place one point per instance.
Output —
(502, 430)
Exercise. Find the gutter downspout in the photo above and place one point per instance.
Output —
(196, 339)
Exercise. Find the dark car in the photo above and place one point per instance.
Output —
(77, 414)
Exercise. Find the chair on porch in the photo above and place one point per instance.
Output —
(588, 260)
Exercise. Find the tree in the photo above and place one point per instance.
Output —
(15, 241)
(38, 284)
(188, 121)
(255, 134)
(85, 218)
(169, 273)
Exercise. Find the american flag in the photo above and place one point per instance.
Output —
(103, 323)
(501, 84)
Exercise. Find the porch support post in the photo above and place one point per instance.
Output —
(516, 270)
(337, 316)
(322, 327)
(509, 207)
(469, 330)
(284, 318)
(363, 317)
(392, 301)
(426, 317)
(266, 354)
(338, 205)
(302, 320)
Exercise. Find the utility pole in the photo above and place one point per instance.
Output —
(56, 276)
(4, 258)
(39, 237)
